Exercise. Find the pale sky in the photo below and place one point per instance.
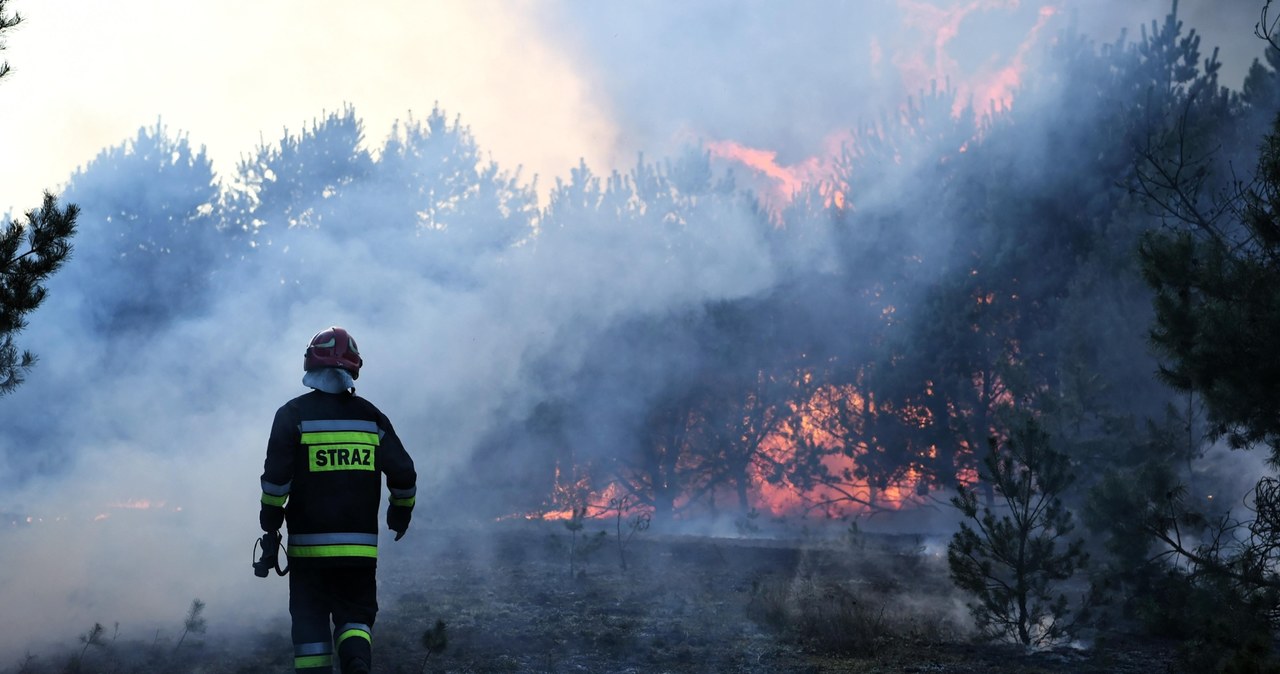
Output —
(86, 74)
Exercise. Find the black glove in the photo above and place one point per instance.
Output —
(271, 517)
(270, 558)
(398, 519)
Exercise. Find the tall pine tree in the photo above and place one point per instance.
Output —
(31, 250)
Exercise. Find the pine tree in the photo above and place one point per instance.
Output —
(7, 21)
(46, 233)
(1217, 322)
(1011, 557)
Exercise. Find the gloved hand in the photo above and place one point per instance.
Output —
(271, 517)
(398, 519)
(270, 558)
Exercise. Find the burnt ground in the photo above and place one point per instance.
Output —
(683, 604)
(695, 604)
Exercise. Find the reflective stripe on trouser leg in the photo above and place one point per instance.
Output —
(313, 657)
(312, 638)
(354, 640)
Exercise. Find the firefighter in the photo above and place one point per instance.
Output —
(325, 458)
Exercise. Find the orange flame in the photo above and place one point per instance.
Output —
(988, 89)
(570, 494)
(784, 181)
(832, 425)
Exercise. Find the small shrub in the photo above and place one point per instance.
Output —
(194, 623)
(639, 522)
(746, 525)
(579, 550)
(91, 638)
(435, 639)
(825, 616)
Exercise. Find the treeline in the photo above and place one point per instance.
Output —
(972, 264)
(671, 337)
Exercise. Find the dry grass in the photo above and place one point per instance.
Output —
(684, 604)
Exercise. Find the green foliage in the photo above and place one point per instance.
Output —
(1220, 628)
(1011, 558)
(1217, 321)
(1214, 269)
(7, 21)
(1206, 580)
(47, 233)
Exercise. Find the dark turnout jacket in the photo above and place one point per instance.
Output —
(323, 473)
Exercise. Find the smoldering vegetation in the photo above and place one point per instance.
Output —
(651, 342)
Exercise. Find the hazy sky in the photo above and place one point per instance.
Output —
(540, 83)
(87, 74)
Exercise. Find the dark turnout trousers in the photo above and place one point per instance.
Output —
(347, 596)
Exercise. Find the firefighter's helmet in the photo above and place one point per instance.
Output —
(333, 347)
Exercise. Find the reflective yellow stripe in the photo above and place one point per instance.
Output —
(306, 661)
(354, 633)
(403, 501)
(268, 499)
(339, 438)
(333, 551)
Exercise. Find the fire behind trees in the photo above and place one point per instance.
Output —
(979, 266)
(694, 354)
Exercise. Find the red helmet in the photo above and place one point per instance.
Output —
(333, 347)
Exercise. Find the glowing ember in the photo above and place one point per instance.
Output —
(570, 494)
(137, 504)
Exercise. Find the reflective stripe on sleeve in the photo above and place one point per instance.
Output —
(275, 494)
(276, 489)
(278, 501)
(403, 497)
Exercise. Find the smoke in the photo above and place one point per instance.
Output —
(790, 77)
(463, 338)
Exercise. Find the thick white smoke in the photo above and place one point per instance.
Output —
(176, 419)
